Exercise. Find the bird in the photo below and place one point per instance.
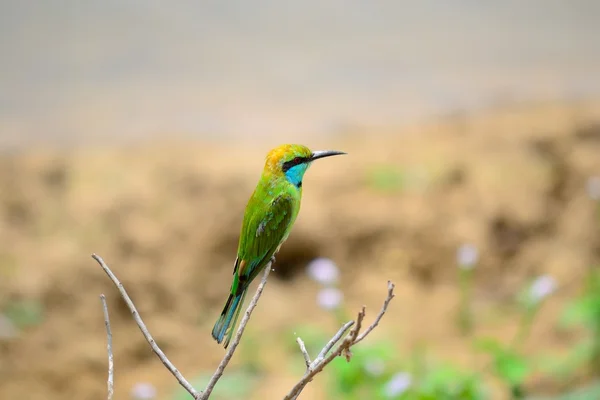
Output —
(268, 219)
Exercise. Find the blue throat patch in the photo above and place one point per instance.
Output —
(296, 173)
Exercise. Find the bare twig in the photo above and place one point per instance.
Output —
(111, 365)
(386, 303)
(236, 340)
(326, 355)
(304, 352)
(138, 320)
(359, 319)
(350, 340)
(336, 338)
(160, 354)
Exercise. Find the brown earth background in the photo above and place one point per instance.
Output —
(137, 130)
(165, 217)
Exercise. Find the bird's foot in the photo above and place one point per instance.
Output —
(273, 259)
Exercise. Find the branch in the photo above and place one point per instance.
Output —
(111, 365)
(304, 352)
(336, 338)
(238, 336)
(312, 368)
(386, 303)
(353, 337)
(160, 354)
(138, 320)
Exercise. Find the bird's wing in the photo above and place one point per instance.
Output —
(263, 233)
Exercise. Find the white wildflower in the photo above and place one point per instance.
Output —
(467, 256)
(593, 187)
(375, 367)
(542, 287)
(324, 271)
(399, 384)
(143, 391)
(330, 298)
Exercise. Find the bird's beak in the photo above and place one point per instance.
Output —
(324, 153)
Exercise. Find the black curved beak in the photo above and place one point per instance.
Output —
(324, 153)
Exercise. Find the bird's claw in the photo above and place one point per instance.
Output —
(273, 259)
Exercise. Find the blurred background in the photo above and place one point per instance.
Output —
(138, 129)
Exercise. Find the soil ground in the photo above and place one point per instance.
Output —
(165, 217)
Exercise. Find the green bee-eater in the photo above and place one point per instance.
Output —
(268, 220)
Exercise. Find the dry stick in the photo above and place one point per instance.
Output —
(354, 333)
(111, 365)
(351, 339)
(304, 352)
(138, 320)
(312, 368)
(336, 338)
(386, 303)
(238, 336)
(182, 381)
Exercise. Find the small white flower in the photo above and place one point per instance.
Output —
(375, 367)
(542, 287)
(467, 256)
(143, 391)
(8, 330)
(324, 271)
(399, 384)
(330, 298)
(593, 187)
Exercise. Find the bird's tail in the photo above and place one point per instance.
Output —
(227, 321)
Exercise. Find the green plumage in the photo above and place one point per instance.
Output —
(268, 220)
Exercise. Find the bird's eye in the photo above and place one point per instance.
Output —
(293, 162)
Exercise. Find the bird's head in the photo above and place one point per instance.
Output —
(292, 161)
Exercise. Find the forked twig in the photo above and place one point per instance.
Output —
(353, 337)
(326, 355)
(384, 308)
(336, 338)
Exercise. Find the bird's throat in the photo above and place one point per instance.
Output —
(295, 174)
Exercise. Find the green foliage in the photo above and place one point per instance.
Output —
(509, 365)
(564, 368)
(465, 316)
(374, 368)
(447, 382)
(584, 311)
(233, 385)
(24, 313)
(368, 370)
(589, 392)
(387, 178)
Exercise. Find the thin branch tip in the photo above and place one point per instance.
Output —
(111, 367)
(304, 352)
(343, 348)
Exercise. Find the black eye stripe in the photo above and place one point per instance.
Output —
(289, 164)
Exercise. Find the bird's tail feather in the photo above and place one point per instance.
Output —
(226, 323)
